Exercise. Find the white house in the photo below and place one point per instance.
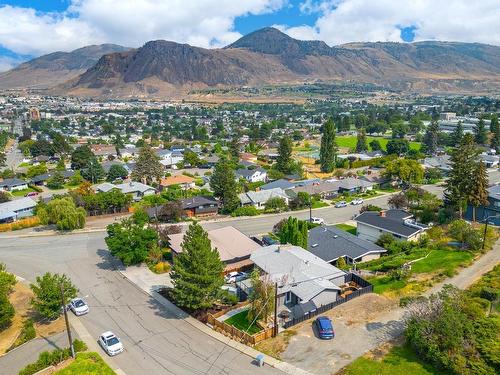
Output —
(138, 190)
(13, 184)
(16, 209)
(252, 175)
(259, 199)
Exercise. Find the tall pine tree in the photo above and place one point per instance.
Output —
(361, 143)
(457, 135)
(478, 196)
(495, 130)
(148, 167)
(459, 184)
(480, 133)
(284, 161)
(197, 271)
(430, 141)
(328, 150)
(223, 183)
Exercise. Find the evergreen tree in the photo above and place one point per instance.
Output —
(284, 161)
(294, 232)
(495, 130)
(431, 136)
(457, 135)
(148, 168)
(93, 171)
(375, 145)
(223, 183)
(361, 143)
(478, 195)
(480, 135)
(81, 157)
(197, 271)
(461, 177)
(328, 150)
(234, 148)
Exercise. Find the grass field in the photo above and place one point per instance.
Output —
(241, 322)
(400, 360)
(348, 228)
(22, 193)
(88, 363)
(350, 142)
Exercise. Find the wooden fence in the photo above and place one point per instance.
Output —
(366, 287)
(238, 335)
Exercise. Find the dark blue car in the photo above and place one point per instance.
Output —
(325, 328)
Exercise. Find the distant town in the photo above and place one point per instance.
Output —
(348, 230)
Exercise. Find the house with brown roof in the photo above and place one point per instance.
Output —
(184, 182)
(233, 246)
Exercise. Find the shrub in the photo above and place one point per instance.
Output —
(46, 359)
(228, 298)
(385, 240)
(246, 211)
(27, 333)
(7, 311)
(161, 267)
(27, 222)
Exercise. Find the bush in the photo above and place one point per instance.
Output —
(7, 311)
(161, 267)
(27, 222)
(228, 298)
(385, 240)
(246, 211)
(27, 333)
(47, 359)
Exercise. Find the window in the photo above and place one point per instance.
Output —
(288, 297)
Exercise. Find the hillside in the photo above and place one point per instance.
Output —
(55, 68)
(267, 56)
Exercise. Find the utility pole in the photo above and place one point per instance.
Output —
(275, 331)
(484, 234)
(70, 339)
(310, 209)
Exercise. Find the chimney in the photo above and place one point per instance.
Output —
(382, 213)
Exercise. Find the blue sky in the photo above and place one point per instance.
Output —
(35, 27)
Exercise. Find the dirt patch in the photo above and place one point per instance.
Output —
(276, 345)
(21, 300)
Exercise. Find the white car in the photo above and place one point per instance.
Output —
(341, 204)
(234, 276)
(110, 343)
(78, 306)
(317, 220)
(357, 201)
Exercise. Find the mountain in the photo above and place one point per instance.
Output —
(268, 56)
(55, 68)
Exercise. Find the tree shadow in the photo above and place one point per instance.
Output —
(108, 262)
(386, 331)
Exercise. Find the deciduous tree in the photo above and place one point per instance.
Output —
(47, 294)
(361, 143)
(328, 150)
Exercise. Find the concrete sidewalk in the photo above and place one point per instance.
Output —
(13, 361)
(149, 282)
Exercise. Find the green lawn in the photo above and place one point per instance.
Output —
(382, 284)
(88, 363)
(241, 322)
(438, 260)
(401, 360)
(319, 204)
(350, 142)
(22, 193)
(348, 228)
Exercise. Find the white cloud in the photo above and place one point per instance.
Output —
(205, 23)
(7, 63)
(342, 21)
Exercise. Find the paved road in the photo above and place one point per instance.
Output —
(18, 358)
(155, 340)
(264, 223)
(14, 157)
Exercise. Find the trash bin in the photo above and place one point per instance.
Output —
(260, 360)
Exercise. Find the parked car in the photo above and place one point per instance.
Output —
(234, 276)
(268, 241)
(78, 306)
(357, 201)
(110, 343)
(325, 328)
(31, 194)
(341, 204)
(317, 220)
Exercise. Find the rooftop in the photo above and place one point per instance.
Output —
(398, 222)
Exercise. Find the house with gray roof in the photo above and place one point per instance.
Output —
(303, 278)
(258, 199)
(331, 243)
(41, 179)
(138, 190)
(491, 211)
(399, 223)
(16, 209)
(13, 184)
